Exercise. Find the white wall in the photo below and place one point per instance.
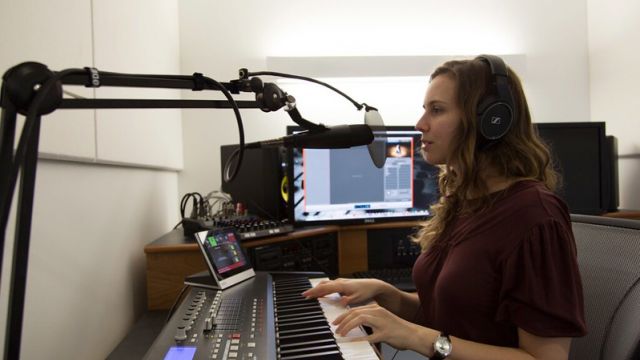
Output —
(87, 279)
(615, 75)
(116, 35)
(217, 38)
(92, 219)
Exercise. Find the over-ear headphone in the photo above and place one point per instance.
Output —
(496, 112)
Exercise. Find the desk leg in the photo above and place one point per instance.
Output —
(352, 251)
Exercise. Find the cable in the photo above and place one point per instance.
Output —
(212, 200)
(25, 138)
(415, 317)
(28, 144)
(176, 302)
(197, 205)
(298, 77)
(73, 95)
(178, 224)
(226, 176)
(236, 111)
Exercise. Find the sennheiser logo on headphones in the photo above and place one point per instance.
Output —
(496, 120)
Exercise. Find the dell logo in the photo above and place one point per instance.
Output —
(369, 221)
(496, 120)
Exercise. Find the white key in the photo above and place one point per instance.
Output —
(351, 346)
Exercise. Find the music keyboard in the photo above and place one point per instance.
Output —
(262, 318)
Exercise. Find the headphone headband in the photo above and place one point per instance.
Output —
(500, 76)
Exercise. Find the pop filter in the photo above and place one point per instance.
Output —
(377, 148)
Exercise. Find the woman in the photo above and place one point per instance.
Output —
(498, 276)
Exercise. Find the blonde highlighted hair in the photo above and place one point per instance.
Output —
(520, 154)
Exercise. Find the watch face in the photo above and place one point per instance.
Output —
(442, 346)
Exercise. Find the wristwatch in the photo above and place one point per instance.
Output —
(441, 347)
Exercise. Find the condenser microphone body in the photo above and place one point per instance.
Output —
(334, 137)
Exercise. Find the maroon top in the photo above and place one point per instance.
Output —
(511, 266)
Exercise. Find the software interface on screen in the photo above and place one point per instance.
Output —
(332, 185)
(224, 251)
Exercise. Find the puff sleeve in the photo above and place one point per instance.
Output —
(541, 291)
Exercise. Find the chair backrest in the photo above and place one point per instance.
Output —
(609, 260)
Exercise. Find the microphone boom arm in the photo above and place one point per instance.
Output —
(33, 90)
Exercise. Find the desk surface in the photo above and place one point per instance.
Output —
(175, 241)
(624, 214)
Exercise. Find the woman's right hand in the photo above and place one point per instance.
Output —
(353, 291)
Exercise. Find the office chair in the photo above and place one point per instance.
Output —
(609, 260)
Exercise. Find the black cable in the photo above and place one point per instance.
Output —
(265, 214)
(178, 224)
(415, 317)
(26, 158)
(25, 138)
(236, 111)
(183, 204)
(176, 302)
(226, 176)
(197, 204)
(298, 77)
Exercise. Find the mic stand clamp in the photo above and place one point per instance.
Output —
(292, 110)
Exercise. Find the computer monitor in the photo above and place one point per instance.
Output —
(343, 186)
(587, 163)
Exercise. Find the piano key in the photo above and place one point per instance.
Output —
(329, 355)
(318, 316)
(307, 344)
(294, 315)
(304, 349)
(299, 324)
(293, 306)
(351, 346)
(306, 336)
(304, 330)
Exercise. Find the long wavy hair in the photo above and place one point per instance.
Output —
(520, 154)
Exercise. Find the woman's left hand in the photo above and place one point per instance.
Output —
(386, 326)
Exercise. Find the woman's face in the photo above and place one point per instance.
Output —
(440, 120)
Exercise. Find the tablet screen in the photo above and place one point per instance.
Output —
(223, 253)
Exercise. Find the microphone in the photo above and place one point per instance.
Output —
(334, 137)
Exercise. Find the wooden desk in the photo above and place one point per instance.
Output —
(172, 257)
(624, 214)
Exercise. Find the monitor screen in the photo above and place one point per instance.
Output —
(330, 186)
(580, 153)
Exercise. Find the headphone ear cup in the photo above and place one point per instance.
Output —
(494, 119)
